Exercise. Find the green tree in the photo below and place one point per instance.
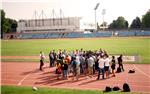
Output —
(2, 16)
(126, 24)
(113, 25)
(4, 22)
(146, 20)
(120, 23)
(136, 23)
(7, 24)
(3, 26)
(13, 24)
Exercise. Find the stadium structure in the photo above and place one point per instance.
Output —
(49, 25)
(52, 24)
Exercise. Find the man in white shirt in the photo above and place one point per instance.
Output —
(101, 67)
(42, 57)
(107, 63)
(77, 65)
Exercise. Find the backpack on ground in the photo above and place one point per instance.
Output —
(131, 71)
(116, 88)
(118, 70)
(126, 87)
(107, 89)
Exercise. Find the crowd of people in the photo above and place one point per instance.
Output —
(81, 62)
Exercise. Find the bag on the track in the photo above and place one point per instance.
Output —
(108, 89)
(116, 88)
(126, 87)
(118, 70)
(131, 71)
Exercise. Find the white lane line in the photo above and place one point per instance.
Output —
(141, 71)
(20, 82)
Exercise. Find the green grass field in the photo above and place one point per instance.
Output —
(28, 90)
(123, 45)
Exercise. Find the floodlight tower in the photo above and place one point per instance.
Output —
(96, 7)
(103, 13)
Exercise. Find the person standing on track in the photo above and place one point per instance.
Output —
(101, 67)
(58, 68)
(90, 66)
(82, 64)
(42, 57)
(74, 68)
(51, 58)
(65, 69)
(120, 62)
(107, 61)
(113, 64)
(77, 66)
(68, 61)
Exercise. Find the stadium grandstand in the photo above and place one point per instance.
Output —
(46, 35)
(49, 25)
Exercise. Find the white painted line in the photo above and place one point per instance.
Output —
(20, 82)
(141, 71)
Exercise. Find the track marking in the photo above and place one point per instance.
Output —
(141, 71)
(20, 82)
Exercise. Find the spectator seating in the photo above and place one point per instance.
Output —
(82, 34)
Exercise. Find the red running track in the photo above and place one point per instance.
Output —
(28, 74)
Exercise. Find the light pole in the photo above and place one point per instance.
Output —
(103, 13)
(96, 7)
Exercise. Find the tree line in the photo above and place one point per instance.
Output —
(137, 23)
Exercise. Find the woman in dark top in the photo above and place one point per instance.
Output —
(120, 62)
(113, 65)
(65, 70)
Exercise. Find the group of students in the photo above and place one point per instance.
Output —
(81, 62)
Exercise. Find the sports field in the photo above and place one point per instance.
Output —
(23, 72)
(120, 45)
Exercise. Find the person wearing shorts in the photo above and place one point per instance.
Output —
(120, 62)
(113, 64)
(107, 61)
(101, 67)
